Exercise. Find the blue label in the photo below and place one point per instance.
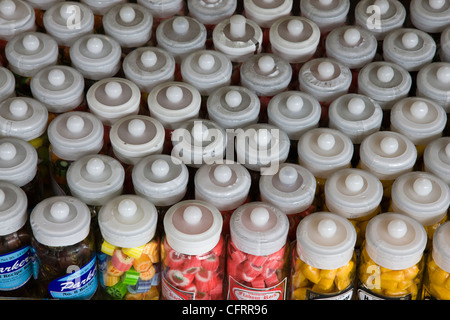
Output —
(15, 269)
(79, 283)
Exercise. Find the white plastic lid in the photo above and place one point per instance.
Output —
(129, 23)
(266, 12)
(262, 147)
(181, 35)
(128, 221)
(28, 52)
(387, 154)
(96, 56)
(7, 84)
(295, 112)
(207, 70)
(60, 221)
(95, 179)
(356, 115)
(444, 53)
(211, 12)
(233, 107)
(325, 240)
(101, 7)
(395, 241)
(353, 46)
(136, 136)
(17, 16)
(163, 8)
(436, 158)
(430, 16)
(433, 82)
(199, 141)
(259, 228)
(18, 161)
(60, 88)
(174, 102)
(324, 78)
(22, 117)
(226, 186)
(353, 193)
(193, 227)
(238, 38)
(385, 82)
(66, 21)
(75, 134)
(13, 208)
(266, 74)
(327, 14)
(422, 196)
(441, 246)
(161, 179)
(148, 67)
(292, 188)
(294, 38)
(389, 15)
(324, 151)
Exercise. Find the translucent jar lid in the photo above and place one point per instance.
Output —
(408, 47)
(75, 134)
(96, 56)
(160, 178)
(130, 24)
(206, 70)
(22, 117)
(294, 38)
(95, 179)
(7, 84)
(436, 158)
(353, 46)
(162, 8)
(422, 196)
(226, 185)
(18, 161)
(353, 193)
(101, 7)
(172, 103)
(395, 241)
(60, 88)
(266, 74)
(111, 99)
(42, 4)
(324, 78)
(429, 16)
(325, 240)
(17, 16)
(28, 52)
(60, 221)
(233, 107)
(356, 115)
(259, 228)
(292, 188)
(433, 82)
(128, 221)
(66, 21)
(422, 120)
(211, 12)
(324, 150)
(148, 67)
(13, 208)
(193, 227)
(325, 13)
(199, 141)
(444, 53)
(441, 246)
(238, 38)
(387, 154)
(265, 13)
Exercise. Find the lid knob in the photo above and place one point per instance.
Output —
(192, 215)
(326, 141)
(419, 109)
(385, 74)
(288, 175)
(136, 127)
(56, 77)
(160, 168)
(127, 208)
(410, 40)
(389, 145)
(354, 182)
(2, 197)
(30, 42)
(295, 27)
(352, 36)
(7, 7)
(259, 216)
(326, 70)
(59, 210)
(233, 98)
(174, 94)
(422, 186)
(113, 89)
(294, 103)
(443, 74)
(436, 4)
(95, 166)
(75, 124)
(149, 58)
(327, 228)
(263, 137)
(67, 10)
(18, 108)
(266, 64)
(397, 228)
(94, 45)
(237, 26)
(127, 14)
(206, 61)
(356, 106)
(180, 25)
(222, 173)
(383, 5)
(7, 151)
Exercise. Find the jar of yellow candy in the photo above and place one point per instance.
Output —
(129, 263)
(436, 283)
(392, 260)
(323, 265)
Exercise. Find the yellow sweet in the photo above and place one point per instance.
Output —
(437, 281)
(299, 280)
(299, 294)
(108, 248)
(328, 274)
(439, 292)
(135, 252)
(311, 273)
(438, 277)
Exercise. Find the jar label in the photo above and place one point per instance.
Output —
(347, 294)
(79, 283)
(365, 294)
(15, 269)
(171, 293)
(238, 291)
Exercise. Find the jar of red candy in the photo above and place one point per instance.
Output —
(193, 252)
(257, 253)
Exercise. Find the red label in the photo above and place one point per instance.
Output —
(171, 293)
(238, 291)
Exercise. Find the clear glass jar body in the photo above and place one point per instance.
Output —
(436, 282)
